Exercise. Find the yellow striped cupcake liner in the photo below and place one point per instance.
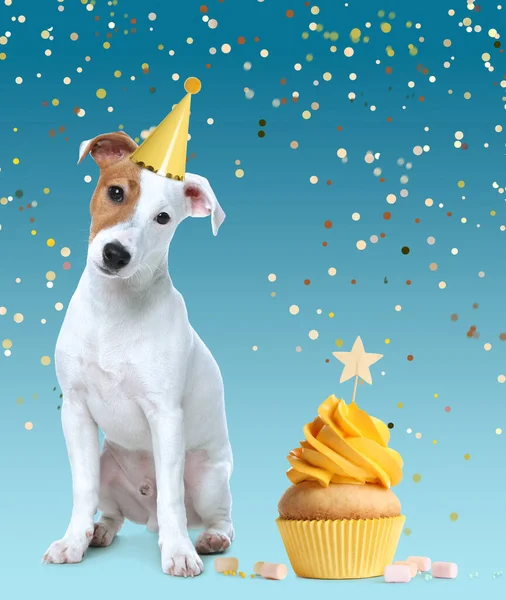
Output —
(342, 549)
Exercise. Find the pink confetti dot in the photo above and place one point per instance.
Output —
(66, 266)
(447, 408)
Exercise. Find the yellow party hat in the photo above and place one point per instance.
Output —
(164, 150)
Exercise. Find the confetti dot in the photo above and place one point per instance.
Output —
(342, 153)
(405, 250)
(355, 216)
(50, 275)
(313, 334)
(28, 426)
(501, 378)
(498, 431)
(7, 344)
(272, 277)
(387, 341)
(442, 285)
(454, 516)
(254, 348)
(327, 224)
(50, 242)
(467, 456)
(417, 478)
(18, 318)
(239, 173)
(407, 531)
(294, 309)
(46, 361)
(361, 245)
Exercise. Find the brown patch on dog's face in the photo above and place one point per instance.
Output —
(105, 212)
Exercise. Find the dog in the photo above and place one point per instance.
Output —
(128, 361)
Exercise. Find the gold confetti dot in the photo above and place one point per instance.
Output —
(498, 431)
(386, 27)
(18, 318)
(239, 173)
(387, 341)
(454, 516)
(339, 343)
(7, 344)
(461, 183)
(101, 93)
(400, 405)
(417, 478)
(50, 242)
(467, 456)
(407, 531)
(45, 360)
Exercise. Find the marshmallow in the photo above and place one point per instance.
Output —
(257, 567)
(226, 564)
(270, 571)
(444, 570)
(397, 573)
(422, 562)
(413, 566)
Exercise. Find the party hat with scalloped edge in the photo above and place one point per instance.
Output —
(164, 150)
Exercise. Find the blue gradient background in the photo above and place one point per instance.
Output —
(275, 225)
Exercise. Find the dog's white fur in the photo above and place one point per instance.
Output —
(129, 362)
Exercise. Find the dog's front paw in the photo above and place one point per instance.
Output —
(181, 560)
(70, 549)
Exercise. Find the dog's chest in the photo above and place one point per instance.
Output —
(114, 368)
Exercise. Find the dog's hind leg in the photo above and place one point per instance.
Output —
(111, 518)
(208, 482)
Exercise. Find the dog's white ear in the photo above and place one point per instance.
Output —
(108, 148)
(202, 201)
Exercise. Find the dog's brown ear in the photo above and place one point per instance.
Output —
(108, 148)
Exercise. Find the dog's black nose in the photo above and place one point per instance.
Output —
(115, 256)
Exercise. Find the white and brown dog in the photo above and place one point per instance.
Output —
(129, 362)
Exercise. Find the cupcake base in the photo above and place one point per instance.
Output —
(341, 549)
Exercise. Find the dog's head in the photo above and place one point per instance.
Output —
(135, 212)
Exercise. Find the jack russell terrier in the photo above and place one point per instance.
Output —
(128, 361)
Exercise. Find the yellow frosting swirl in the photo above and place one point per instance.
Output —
(345, 445)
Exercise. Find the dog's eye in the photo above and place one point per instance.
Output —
(115, 193)
(163, 218)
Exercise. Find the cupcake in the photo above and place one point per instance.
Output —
(340, 518)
